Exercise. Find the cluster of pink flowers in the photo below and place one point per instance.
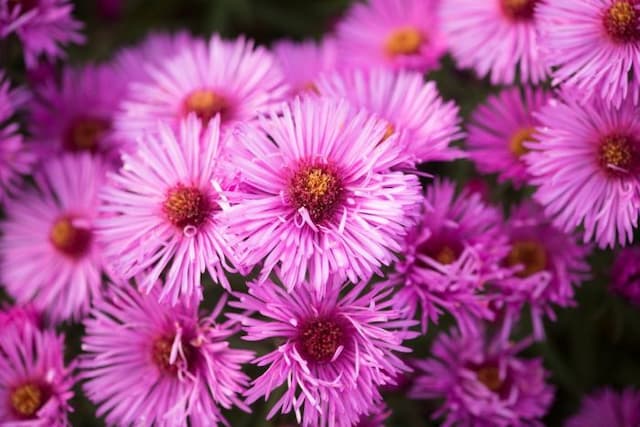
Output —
(294, 179)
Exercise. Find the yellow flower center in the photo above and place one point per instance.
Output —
(621, 21)
(530, 254)
(517, 140)
(318, 189)
(206, 104)
(27, 399)
(404, 41)
(68, 238)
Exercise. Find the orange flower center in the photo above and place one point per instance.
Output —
(68, 238)
(85, 134)
(519, 9)
(530, 254)
(621, 21)
(489, 376)
(206, 104)
(27, 399)
(517, 140)
(187, 206)
(404, 41)
(618, 154)
(318, 189)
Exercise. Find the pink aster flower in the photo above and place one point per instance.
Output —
(35, 385)
(397, 34)
(499, 129)
(586, 164)
(317, 195)
(593, 46)
(15, 159)
(545, 263)
(335, 351)
(42, 26)
(162, 211)
(496, 38)
(448, 256)
(609, 408)
(483, 383)
(414, 109)
(48, 253)
(230, 78)
(77, 114)
(150, 363)
(625, 275)
(303, 62)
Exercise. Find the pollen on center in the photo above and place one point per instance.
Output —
(404, 41)
(206, 103)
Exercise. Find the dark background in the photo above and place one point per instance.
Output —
(595, 344)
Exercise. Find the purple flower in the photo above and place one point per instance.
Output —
(19, 315)
(625, 274)
(230, 78)
(426, 124)
(585, 163)
(48, 254)
(76, 115)
(150, 363)
(495, 37)
(41, 25)
(593, 46)
(482, 382)
(35, 385)
(334, 352)
(545, 265)
(396, 34)
(162, 211)
(448, 256)
(499, 130)
(607, 407)
(317, 195)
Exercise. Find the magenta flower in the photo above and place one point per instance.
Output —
(19, 315)
(426, 124)
(497, 38)
(593, 46)
(150, 363)
(448, 256)
(48, 253)
(42, 26)
(35, 385)
(396, 34)
(303, 62)
(625, 274)
(585, 165)
(317, 196)
(15, 159)
(77, 114)
(483, 383)
(499, 130)
(162, 211)
(607, 407)
(545, 265)
(334, 352)
(230, 78)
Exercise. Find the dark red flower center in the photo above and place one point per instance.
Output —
(28, 398)
(619, 154)
(621, 21)
(69, 238)
(25, 5)
(404, 41)
(161, 355)
(206, 103)
(320, 339)
(489, 376)
(442, 249)
(518, 139)
(519, 10)
(530, 254)
(188, 206)
(317, 188)
(85, 133)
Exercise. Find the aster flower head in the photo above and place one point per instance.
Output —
(15, 159)
(162, 210)
(396, 34)
(230, 78)
(336, 350)
(500, 129)
(43, 26)
(76, 114)
(48, 254)
(585, 164)
(497, 38)
(303, 62)
(316, 193)
(545, 265)
(185, 371)
(593, 46)
(625, 275)
(483, 383)
(35, 385)
(426, 124)
(610, 408)
(448, 256)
